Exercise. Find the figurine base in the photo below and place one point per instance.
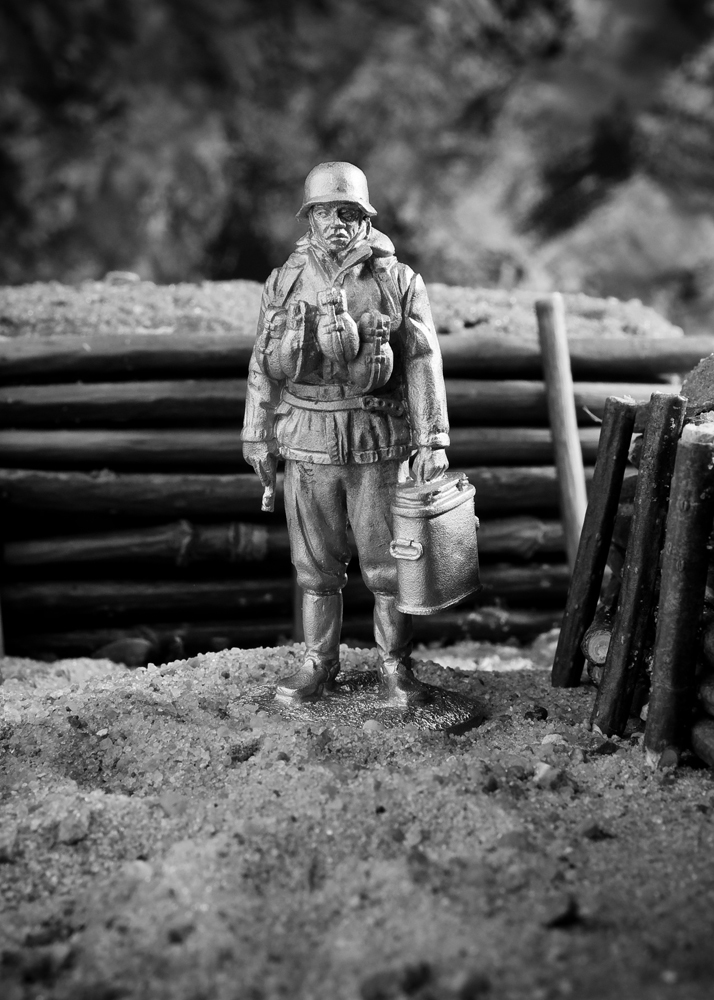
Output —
(358, 696)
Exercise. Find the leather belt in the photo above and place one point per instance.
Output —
(373, 404)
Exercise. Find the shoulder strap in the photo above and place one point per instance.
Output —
(287, 277)
(382, 271)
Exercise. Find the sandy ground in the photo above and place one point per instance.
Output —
(164, 834)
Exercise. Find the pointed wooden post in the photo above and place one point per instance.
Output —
(684, 576)
(563, 420)
(637, 594)
(615, 435)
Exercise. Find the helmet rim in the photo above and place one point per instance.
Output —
(336, 181)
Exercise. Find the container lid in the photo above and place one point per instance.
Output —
(427, 499)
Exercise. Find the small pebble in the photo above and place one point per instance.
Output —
(669, 758)
(537, 713)
(8, 842)
(561, 911)
(74, 825)
(475, 986)
(372, 726)
(547, 776)
(593, 831)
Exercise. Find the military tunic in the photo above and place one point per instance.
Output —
(345, 449)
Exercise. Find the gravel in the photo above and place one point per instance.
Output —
(163, 834)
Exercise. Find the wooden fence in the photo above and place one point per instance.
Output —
(127, 508)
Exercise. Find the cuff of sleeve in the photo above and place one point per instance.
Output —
(253, 435)
(432, 441)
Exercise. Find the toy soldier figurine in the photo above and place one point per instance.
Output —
(345, 384)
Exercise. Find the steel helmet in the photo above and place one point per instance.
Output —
(335, 181)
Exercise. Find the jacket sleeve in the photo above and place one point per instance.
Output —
(263, 393)
(423, 369)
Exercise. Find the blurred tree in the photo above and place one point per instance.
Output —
(505, 141)
(171, 137)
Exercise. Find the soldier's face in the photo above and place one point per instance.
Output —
(336, 223)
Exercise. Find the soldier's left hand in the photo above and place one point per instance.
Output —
(429, 463)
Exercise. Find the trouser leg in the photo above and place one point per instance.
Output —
(369, 502)
(393, 630)
(317, 524)
(322, 624)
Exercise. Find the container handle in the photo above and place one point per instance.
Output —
(406, 548)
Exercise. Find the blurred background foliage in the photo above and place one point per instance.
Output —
(546, 143)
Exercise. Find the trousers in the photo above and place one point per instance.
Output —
(321, 501)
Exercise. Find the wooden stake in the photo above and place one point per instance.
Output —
(563, 419)
(615, 435)
(637, 594)
(684, 574)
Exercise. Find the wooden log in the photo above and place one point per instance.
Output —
(509, 445)
(58, 358)
(133, 494)
(142, 355)
(178, 448)
(595, 540)
(219, 448)
(529, 584)
(523, 403)
(112, 404)
(562, 418)
(699, 388)
(706, 693)
(708, 643)
(121, 598)
(517, 488)
(183, 543)
(520, 537)
(628, 358)
(681, 601)
(483, 624)
(702, 740)
(180, 543)
(190, 402)
(596, 640)
(636, 602)
(498, 490)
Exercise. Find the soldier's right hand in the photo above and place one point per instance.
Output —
(258, 454)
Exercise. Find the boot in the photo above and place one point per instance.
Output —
(307, 683)
(400, 686)
(322, 622)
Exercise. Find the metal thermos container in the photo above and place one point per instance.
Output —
(434, 529)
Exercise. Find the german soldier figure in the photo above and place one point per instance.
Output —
(345, 384)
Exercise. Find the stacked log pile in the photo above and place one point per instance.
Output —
(649, 644)
(127, 509)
